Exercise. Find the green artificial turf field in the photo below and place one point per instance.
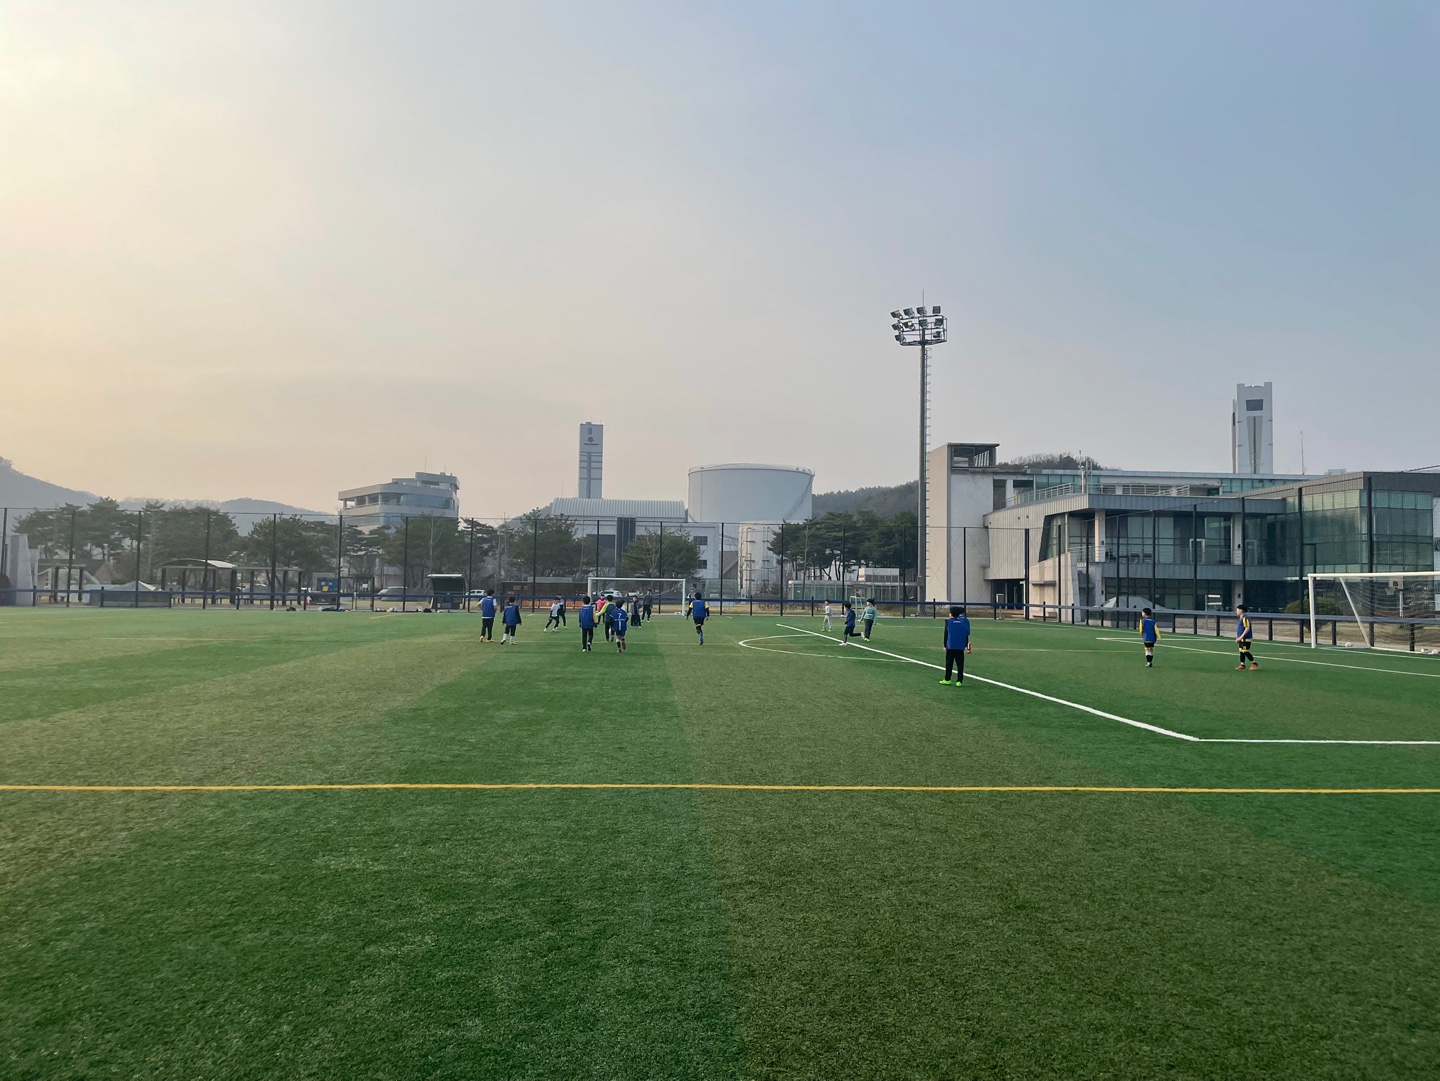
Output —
(471, 932)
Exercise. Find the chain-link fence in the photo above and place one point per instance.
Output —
(1192, 570)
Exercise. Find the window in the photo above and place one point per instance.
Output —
(1254, 405)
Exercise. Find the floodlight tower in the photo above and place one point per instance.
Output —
(916, 326)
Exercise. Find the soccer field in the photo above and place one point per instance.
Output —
(767, 857)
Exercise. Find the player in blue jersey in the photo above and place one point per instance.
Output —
(1149, 635)
(1244, 637)
(957, 644)
(587, 625)
(622, 624)
(511, 619)
(849, 624)
(487, 617)
(699, 612)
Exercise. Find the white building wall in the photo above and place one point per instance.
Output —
(750, 493)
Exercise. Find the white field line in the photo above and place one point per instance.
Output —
(1270, 657)
(1018, 690)
(1126, 720)
(795, 652)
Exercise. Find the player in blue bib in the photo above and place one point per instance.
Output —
(1244, 638)
(487, 617)
(699, 612)
(587, 625)
(1149, 635)
(957, 644)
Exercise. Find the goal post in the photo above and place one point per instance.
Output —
(671, 591)
(1388, 609)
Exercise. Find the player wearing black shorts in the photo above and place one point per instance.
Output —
(699, 611)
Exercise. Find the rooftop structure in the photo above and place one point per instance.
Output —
(387, 505)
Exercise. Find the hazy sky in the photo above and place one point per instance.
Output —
(277, 249)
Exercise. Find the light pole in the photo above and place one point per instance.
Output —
(916, 326)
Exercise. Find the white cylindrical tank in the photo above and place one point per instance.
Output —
(750, 493)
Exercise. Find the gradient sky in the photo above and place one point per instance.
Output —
(277, 249)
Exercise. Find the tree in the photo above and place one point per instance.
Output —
(661, 555)
(305, 543)
(434, 545)
(542, 543)
(178, 532)
(48, 531)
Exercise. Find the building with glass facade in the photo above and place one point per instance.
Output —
(389, 504)
(1185, 541)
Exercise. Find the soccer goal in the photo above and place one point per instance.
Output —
(1384, 610)
(671, 591)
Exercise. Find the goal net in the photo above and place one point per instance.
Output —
(668, 594)
(1380, 610)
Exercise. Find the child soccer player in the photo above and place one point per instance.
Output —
(957, 644)
(554, 620)
(698, 611)
(604, 611)
(1244, 636)
(511, 620)
(622, 622)
(587, 625)
(849, 624)
(487, 618)
(826, 625)
(649, 603)
(1149, 635)
(869, 617)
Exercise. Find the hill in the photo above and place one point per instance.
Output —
(18, 489)
(21, 491)
(884, 501)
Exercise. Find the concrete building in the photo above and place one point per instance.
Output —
(1252, 430)
(1174, 540)
(592, 461)
(389, 504)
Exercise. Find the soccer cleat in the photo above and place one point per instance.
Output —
(1239, 668)
(1253, 667)
(944, 683)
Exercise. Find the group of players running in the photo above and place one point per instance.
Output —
(615, 613)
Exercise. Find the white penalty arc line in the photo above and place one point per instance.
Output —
(748, 643)
(1270, 657)
(1127, 720)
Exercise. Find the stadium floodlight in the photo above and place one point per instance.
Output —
(895, 314)
(925, 331)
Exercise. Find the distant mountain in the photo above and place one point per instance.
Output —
(21, 491)
(884, 501)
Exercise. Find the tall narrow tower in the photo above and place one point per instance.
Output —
(592, 453)
(1252, 430)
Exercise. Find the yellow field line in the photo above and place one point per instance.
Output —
(527, 786)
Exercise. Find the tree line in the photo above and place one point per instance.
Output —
(536, 543)
(836, 542)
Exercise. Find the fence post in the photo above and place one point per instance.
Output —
(660, 555)
(720, 566)
(204, 572)
(534, 558)
(70, 566)
(782, 569)
(1026, 542)
(139, 542)
(339, 553)
(469, 567)
(4, 549)
(274, 537)
(405, 563)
